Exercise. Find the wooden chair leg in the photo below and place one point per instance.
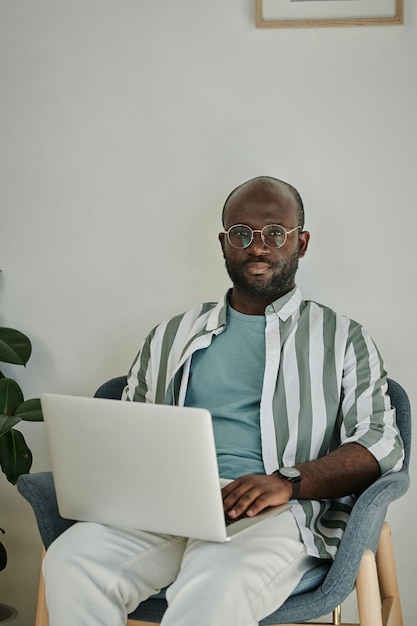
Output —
(337, 616)
(377, 588)
(42, 618)
(388, 581)
(367, 591)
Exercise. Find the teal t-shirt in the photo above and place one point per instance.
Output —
(226, 379)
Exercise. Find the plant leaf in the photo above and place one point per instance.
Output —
(30, 410)
(10, 396)
(3, 557)
(15, 347)
(15, 456)
(7, 422)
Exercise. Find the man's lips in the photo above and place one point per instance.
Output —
(257, 268)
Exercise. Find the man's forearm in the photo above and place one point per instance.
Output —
(348, 469)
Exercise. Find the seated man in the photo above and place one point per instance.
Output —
(300, 412)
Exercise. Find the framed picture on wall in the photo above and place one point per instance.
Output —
(310, 13)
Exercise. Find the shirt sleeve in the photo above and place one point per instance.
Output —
(139, 388)
(367, 416)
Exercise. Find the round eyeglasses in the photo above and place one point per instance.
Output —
(272, 235)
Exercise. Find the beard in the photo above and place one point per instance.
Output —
(281, 281)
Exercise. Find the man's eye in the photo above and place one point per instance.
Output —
(275, 232)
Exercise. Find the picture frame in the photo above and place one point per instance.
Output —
(325, 13)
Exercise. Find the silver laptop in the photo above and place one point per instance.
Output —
(136, 465)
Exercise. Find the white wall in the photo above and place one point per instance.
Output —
(123, 126)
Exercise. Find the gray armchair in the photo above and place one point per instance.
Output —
(365, 557)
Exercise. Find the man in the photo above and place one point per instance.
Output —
(300, 412)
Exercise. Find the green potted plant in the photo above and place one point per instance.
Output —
(15, 456)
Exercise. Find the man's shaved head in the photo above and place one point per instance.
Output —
(268, 181)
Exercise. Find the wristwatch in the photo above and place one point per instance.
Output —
(294, 476)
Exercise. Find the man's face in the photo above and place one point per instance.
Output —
(258, 271)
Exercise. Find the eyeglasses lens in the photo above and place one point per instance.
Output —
(240, 236)
(274, 236)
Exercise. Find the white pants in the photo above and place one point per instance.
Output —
(95, 574)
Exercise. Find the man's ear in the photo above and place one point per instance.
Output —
(303, 238)
(222, 241)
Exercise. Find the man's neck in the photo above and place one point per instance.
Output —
(249, 305)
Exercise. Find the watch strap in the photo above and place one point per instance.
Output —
(294, 480)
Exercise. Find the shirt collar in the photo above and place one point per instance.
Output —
(217, 317)
(283, 307)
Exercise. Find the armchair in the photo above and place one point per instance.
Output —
(365, 558)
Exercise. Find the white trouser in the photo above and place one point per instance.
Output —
(95, 574)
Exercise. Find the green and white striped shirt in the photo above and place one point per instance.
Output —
(324, 386)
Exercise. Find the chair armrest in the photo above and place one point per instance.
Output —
(364, 528)
(362, 531)
(39, 491)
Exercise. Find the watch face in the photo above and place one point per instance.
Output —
(289, 472)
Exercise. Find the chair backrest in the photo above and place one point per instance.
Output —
(112, 389)
(400, 401)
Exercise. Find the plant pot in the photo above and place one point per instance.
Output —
(7, 613)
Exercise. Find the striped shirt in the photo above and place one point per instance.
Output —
(324, 386)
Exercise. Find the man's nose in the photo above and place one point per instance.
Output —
(257, 246)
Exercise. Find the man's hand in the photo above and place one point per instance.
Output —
(249, 495)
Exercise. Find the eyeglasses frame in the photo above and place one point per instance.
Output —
(253, 231)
